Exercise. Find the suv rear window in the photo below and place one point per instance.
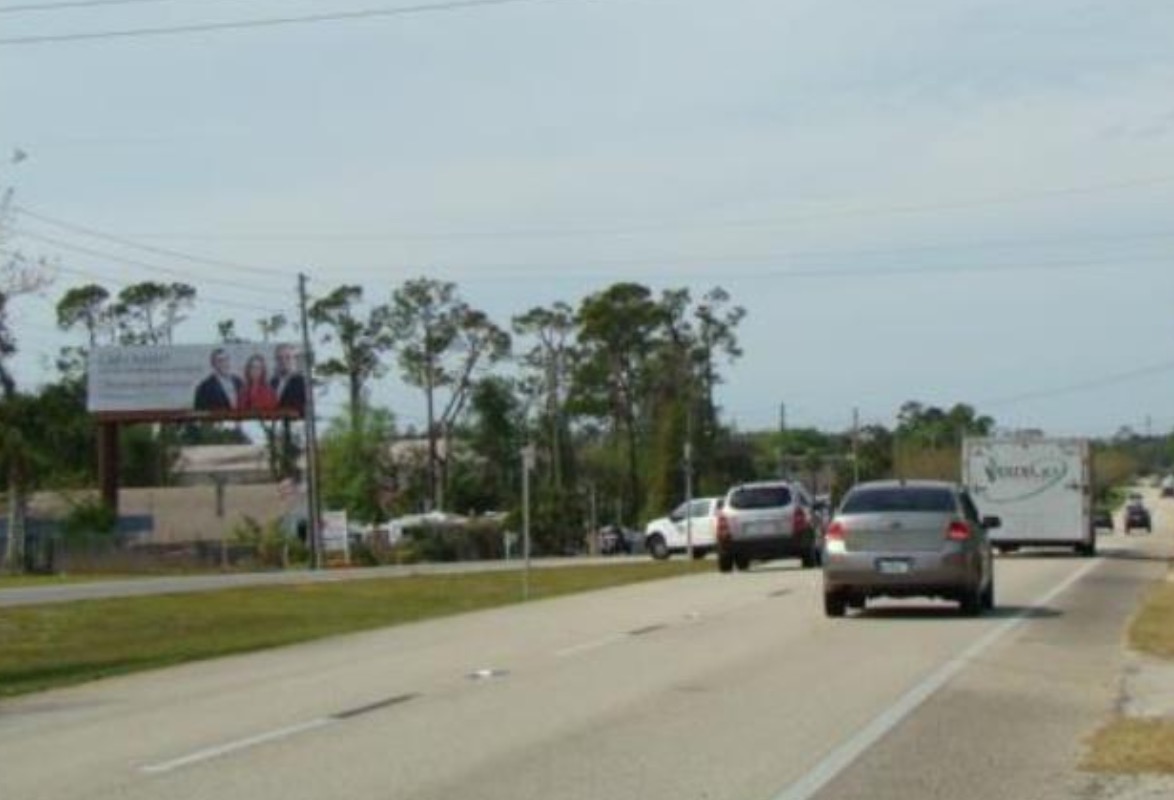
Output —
(760, 497)
(869, 501)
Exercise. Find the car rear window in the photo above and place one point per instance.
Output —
(869, 501)
(760, 497)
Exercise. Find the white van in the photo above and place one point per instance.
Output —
(1040, 488)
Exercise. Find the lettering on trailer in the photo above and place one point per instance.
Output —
(1008, 483)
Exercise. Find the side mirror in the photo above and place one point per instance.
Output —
(991, 522)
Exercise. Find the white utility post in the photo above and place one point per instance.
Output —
(855, 446)
(527, 465)
(689, 498)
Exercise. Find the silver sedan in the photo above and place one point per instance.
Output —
(908, 539)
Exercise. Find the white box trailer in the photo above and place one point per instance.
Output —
(1040, 488)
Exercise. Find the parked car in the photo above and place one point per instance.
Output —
(1137, 516)
(766, 520)
(665, 536)
(1102, 519)
(614, 540)
(908, 539)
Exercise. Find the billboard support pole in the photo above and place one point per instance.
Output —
(108, 465)
(313, 516)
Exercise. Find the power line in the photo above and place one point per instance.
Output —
(1008, 198)
(71, 4)
(264, 22)
(161, 251)
(829, 272)
(1092, 383)
(213, 300)
(89, 251)
(203, 298)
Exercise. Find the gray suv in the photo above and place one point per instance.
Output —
(766, 520)
(908, 539)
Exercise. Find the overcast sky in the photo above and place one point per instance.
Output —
(913, 199)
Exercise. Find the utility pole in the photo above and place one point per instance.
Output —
(527, 466)
(855, 446)
(782, 435)
(313, 512)
(689, 498)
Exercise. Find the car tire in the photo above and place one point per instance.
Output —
(970, 602)
(857, 602)
(809, 559)
(1086, 550)
(725, 562)
(699, 553)
(742, 562)
(988, 596)
(834, 604)
(657, 548)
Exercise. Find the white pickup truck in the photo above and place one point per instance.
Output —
(668, 535)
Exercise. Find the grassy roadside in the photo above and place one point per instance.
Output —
(1130, 744)
(56, 645)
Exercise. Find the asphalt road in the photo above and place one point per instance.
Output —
(709, 686)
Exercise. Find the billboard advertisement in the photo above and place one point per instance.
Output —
(226, 381)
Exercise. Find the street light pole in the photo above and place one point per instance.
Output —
(313, 520)
(689, 498)
(527, 465)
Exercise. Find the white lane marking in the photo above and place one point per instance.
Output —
(588, 646)
(843, 756)
(235, 747)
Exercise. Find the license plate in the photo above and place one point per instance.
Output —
(889, 567)
(761, 528)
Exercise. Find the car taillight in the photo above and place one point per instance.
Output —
(835, 532)
(799, 521)
(958, 531)
(723, 526)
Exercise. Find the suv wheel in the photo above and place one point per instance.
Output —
(657, 547)
(834, 604)
(742, 562)
(725, 562)
(970, 601)
(988, 595)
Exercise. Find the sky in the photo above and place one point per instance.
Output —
(965, 201)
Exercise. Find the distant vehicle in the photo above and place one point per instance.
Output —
(1102, 519)
(767, 520)
(1168, 486)
(1040, 488)
(668, 535)
(908, 539)
(1137, 516)
(614, 540)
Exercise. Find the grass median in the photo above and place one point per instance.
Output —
(1130, 745)
(46, 646)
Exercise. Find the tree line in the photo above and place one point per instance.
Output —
(608, 390)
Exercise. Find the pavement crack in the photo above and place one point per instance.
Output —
(358, 711)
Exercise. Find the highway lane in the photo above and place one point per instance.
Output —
(710, 686)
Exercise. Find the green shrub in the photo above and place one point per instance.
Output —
(89, 517)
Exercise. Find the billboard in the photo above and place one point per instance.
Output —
(226, 381)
